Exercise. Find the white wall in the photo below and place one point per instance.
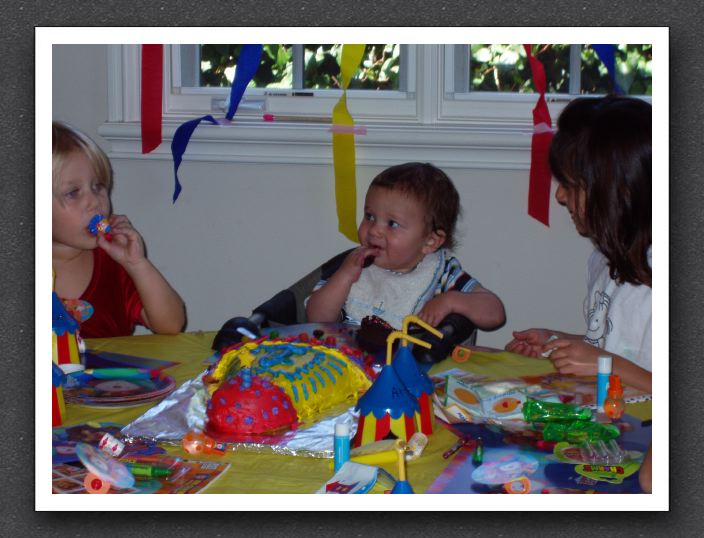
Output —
(241, 232)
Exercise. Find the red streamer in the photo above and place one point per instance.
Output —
(540, 176)
(152, 80)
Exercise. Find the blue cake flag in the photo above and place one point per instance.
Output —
(606, 54)
(247, 65)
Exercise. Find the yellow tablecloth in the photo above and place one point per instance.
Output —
(266, 473)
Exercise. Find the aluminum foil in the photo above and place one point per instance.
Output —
(184, 410)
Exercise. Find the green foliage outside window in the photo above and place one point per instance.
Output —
(505, 68)
(493, 68)
(378, 70)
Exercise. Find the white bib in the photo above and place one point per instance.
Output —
(392, 296)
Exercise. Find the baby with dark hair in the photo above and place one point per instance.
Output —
(410, 214)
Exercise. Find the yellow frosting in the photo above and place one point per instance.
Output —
(314, 385)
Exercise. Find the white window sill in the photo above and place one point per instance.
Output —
(255, 141)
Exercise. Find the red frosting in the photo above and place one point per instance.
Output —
(260, 408)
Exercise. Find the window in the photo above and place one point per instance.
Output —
(295, 80)
(294, 67)
(436, 102)
(569, 69)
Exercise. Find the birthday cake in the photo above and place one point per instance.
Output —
(266, 386)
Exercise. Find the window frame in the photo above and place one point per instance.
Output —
(429, 123)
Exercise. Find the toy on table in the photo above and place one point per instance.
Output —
(402, 485)
(465, 442)
(579, 431)
(387, 408)
(196, 442)
(461, 354)
(100, 224)
(84, 376)
(614, 405)
(385, 451)
(416, 381)
(104, 471)
(518, 485)
(65, 347)
(58, 407)
(541, 411)
(567, 422)
(478, 454)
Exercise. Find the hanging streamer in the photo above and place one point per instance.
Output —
(607, 55)
(247, 65)
(343, 151)
(179, 144)
(539, 183)
(152, 80)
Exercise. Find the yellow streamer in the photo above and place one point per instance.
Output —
(343, 153)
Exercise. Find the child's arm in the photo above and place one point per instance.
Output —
(480, 306)
(645, 475)
(326, 303)
(531, 341)
(164, 311)
(577, 357)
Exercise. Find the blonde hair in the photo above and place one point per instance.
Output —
(66, 140)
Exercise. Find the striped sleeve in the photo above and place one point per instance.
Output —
(454, 278)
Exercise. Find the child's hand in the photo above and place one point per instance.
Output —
(574, 357)
(529, 342)
(435, 310)
(352, 266)
(127, 246)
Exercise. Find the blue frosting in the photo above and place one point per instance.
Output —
(320, 378)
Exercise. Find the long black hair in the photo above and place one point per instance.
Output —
(603, 147)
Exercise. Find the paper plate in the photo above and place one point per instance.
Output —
(120, 392)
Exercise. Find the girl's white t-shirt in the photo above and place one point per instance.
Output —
(618, 316)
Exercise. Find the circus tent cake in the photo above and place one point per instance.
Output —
(266, 376)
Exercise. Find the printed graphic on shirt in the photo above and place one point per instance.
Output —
(598, 321)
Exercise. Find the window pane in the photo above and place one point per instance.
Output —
(378, 70)
(505, 68)
(634, 73)
(217, 66)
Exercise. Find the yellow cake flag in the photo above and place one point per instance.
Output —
(343, 147)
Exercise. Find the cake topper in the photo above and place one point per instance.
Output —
(387, 409)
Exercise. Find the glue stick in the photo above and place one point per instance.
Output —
(342, 444)
(602, 380)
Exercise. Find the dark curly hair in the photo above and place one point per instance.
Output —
(603, 147)
(433, 188)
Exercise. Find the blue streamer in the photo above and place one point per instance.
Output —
(247, 65)
(606, 54)
(180, 142)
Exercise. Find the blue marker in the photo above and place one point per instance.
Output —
(602, 380)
